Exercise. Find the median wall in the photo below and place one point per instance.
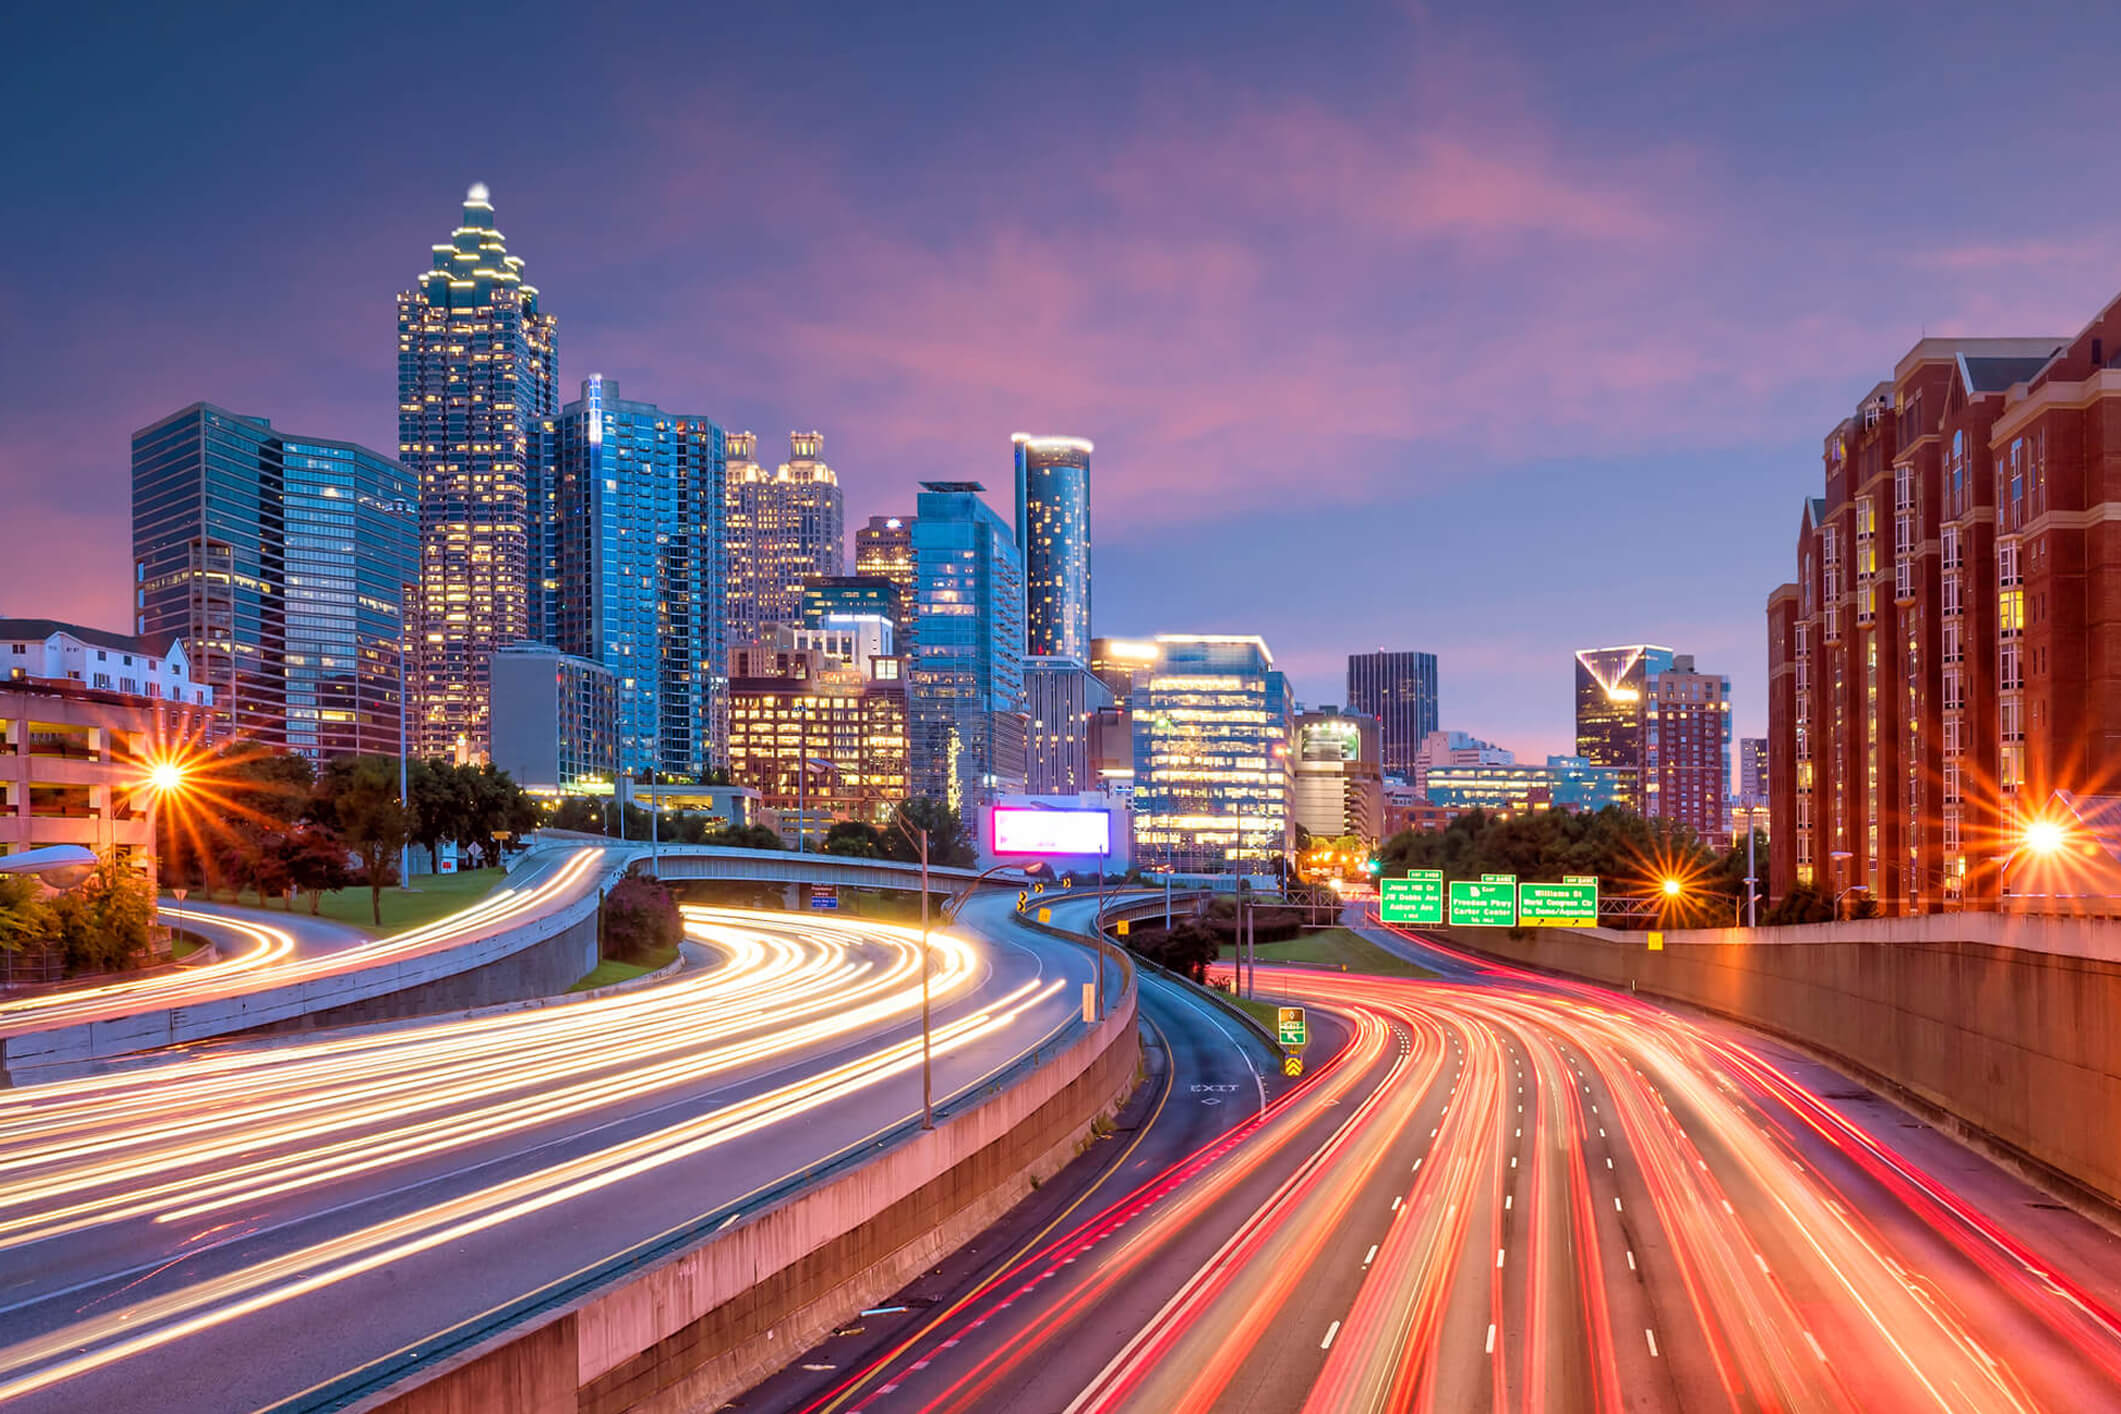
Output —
(693, 1328)
(2009, 1028)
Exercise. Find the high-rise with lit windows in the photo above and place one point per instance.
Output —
(1646, 712)
(475, 406)
(965, 693)
(1053, 535)
(639, 535)
(282, 562)
(1213, 724)
(782, 528)
(1398, 688)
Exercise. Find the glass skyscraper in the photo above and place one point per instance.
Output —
(1399, 690)
(966, 699)
(282, 562)
(1612, 709)
(1053, 535)
(782, 529)
(475, 408)
(1212, 783)
(639, 549)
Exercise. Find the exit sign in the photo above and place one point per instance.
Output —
(1572, 903)
(1416, 899)
(1290, 1027)
(1488, 902)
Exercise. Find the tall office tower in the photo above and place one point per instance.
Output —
(1062, 698)
(1752, 767)
(1934, 679)
(640, 571)
(1120, 662)
(965, 699)
(1338, 780)
(1646, 712)
(784, 527)
(475, 398)
(883, 549)
(1212, 725)
(817, 725)
(283, 563)
(1053, 534)
(1399, 690)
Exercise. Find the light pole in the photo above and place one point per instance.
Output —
(404, 752)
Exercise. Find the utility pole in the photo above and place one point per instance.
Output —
(927, 1052)
(404, 751)
(655, 821)
(1752, 894)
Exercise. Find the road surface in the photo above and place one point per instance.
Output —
(242, 1226)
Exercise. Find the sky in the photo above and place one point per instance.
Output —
(1492, 331)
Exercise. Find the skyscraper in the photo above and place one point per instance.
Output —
(1399, 690)
(1338, 788)
(1752, 768)
(1647, 712)
(282, 563)
(1062, 698)
(640, 501)
(782, 528)
(966, 696)
(475, 402)
(1053, 535)
(1212, 787)
(883, 549)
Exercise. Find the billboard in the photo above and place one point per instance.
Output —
(1416, 900)
(1019, 830)
(1490, 902)
(1572, 903)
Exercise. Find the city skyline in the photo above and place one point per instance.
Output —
(1506, 155)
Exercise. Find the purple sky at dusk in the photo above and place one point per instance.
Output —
(1497, 333)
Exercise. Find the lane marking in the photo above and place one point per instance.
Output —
(1498, 1259)
(1491, 1338)
(1331, 1331)
(1372, 1257)
(1813, 1341)
(1631, 1259)
(1649, 1335)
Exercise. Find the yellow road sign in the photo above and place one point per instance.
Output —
(1123, 927)
(1045, 915)
(1292, 1065)
(1656, 942)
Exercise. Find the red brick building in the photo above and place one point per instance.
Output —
(1947, 657)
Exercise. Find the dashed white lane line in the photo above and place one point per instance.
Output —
(1763, 1263)
(1648, 1334)
(1812, 1341)
(1506, 1199)
(1395, 1204)
(1498, 1258)
(1631, 1259)
(1491, 1338)
(1334, 1330)
(1616, 1205)
(1372, 1257)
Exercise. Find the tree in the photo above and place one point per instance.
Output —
(25, 915)
(431, 788)
(854, 839)
(948, 844)
(742, 837)
(641, 920)
(1802, 904)
(358, 800)
(106, 920)
(314, 860)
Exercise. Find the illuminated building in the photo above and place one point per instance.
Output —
(1338, 783)
(476, 364)
(1612, 711)
(1399, 690)
(1936, 667)
(1445, 748)
(1646, 712)
(640, 571)
(1119, 663)
(966, 694)
(1062, 699)
(282, 563)
(1752, 767)
(843, 595)
(1053, 535)
(1563, 783)
(818, 737)
(555, 720)
(782, 528)
(155, 667)
(883, 549)
(1212, 725)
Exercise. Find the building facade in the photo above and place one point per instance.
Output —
(1120, 662)
(1062, 698)
(640, 569)
(282, 563)
(1612, 709)
(1563, 783)
(157, 668)
(1451, 748)
(966, 688)
(1399, 690)
(1053, 535)
(1338, 778)
(849, 596)
(1648, 713)
(820, 739)
(782, 529)
(883, 549)
(555, 720)
(476, 399)
(1212, 727)
(74, 760)
(1918, 673)
(1752, 767)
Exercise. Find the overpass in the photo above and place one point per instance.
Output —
(780, 866)
(2005, 1029)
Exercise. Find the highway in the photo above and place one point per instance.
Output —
(246, 1226)
(1501, 1191)
(290, 951)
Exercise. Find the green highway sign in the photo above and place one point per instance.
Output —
(1489, 902)
(1289, 1024)
(1572, 903)
(1416, 899)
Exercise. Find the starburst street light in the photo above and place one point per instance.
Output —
(2045, 836)
(1673, 888)
(164, 777)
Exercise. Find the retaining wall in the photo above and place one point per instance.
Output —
(694, 1328)
(2018, 1044)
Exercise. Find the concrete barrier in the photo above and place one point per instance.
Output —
(691, 1326)
(2016, 1045)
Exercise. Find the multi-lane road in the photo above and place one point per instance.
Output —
(1501, 1191)
(247, 1224)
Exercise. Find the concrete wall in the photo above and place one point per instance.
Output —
(2019, 1045)
(699, 1326)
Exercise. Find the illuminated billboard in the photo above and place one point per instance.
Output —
(1018, 830)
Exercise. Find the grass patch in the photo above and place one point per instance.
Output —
(184, 945)
(432, 896)
(1267, 1014)
(612, 970)
(1337, 948)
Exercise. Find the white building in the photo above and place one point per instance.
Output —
(107, 662)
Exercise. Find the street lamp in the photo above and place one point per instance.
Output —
(2045, 836)
(165, 777)
(1673, 888)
